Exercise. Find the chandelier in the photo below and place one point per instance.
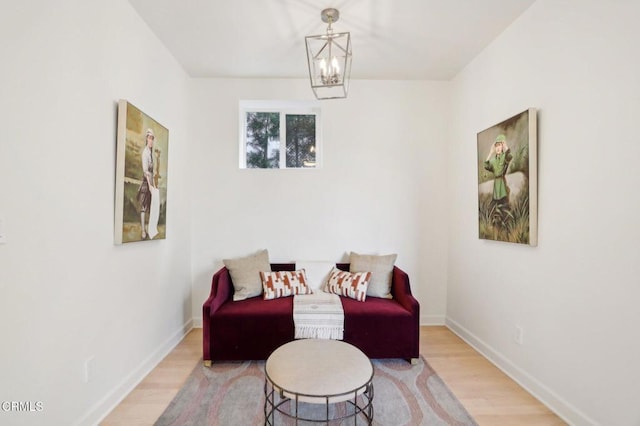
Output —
(329, 59)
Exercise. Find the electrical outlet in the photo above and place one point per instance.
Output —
(89, 369)
(519, 335)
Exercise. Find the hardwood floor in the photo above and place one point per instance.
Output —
(488, 394)
(149, 399)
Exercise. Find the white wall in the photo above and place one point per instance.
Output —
(379, 190)
(575, 295)
(67, 292)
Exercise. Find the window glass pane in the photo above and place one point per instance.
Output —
(301, 140)
(263, 140)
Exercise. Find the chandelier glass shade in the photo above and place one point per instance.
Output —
(329, 60)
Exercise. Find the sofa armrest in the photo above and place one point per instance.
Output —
(221, 292)
(221, 289)
(401, 291)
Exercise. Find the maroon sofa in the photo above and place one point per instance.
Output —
(251, 329)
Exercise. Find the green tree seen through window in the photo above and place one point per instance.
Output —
(263, 129)
(301, 140)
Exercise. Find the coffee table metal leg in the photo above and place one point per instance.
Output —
(266, 400)
(370, 403)
(270, 406)
(355, 409)
(267, 413)
(326, 407)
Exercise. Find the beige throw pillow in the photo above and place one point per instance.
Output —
(381, 268)
(245, 274)
(317, 273)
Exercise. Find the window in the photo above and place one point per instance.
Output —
(279, 135)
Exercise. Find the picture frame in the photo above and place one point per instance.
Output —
(141, 176)
(508, 180)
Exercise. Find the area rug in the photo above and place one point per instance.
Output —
(232, 394)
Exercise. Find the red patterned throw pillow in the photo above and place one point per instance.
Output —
(284, 283)
(349, 284)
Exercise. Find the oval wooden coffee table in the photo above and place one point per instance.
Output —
(318, 372)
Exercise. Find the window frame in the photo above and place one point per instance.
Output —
(283, 108)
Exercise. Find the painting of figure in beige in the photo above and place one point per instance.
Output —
(507, 180)
(141, 176)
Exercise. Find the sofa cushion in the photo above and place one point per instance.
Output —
(245, 274)
(381, 268)
(317, 273)
(252, 328)
(256, 309)
(382, 326)
(353, 285)
(283, 284)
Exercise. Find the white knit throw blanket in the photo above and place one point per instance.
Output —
(318, 316)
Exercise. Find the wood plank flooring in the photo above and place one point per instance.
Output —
(149, 399)
(490, 396)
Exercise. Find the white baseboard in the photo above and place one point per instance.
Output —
(100, 410)
(432, 320)
(553, 401)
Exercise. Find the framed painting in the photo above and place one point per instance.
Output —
(141, 176)
(508, 180)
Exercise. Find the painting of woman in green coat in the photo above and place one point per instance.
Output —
(497, 163)
(507, 180)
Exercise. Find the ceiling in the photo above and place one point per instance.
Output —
(392, 39)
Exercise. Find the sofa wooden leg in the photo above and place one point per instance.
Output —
(414, 361)
(207, 363)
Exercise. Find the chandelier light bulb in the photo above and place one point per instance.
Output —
(323, 67)
(335, 66)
